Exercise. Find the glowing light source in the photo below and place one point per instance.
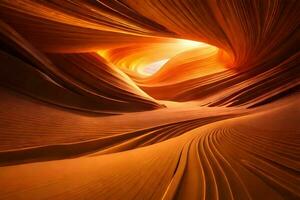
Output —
(153, 67)
(144, 60)
(190, 43)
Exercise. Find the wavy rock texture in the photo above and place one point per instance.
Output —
(149, 99)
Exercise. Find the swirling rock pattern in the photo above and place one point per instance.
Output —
(149, 99)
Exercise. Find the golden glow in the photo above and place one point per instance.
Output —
(190, 44)
(144, 60)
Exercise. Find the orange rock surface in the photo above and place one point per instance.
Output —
(149, 99)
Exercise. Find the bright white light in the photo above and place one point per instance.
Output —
(154, 67)
(190, 43)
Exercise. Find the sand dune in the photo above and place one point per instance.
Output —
(245, 157)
